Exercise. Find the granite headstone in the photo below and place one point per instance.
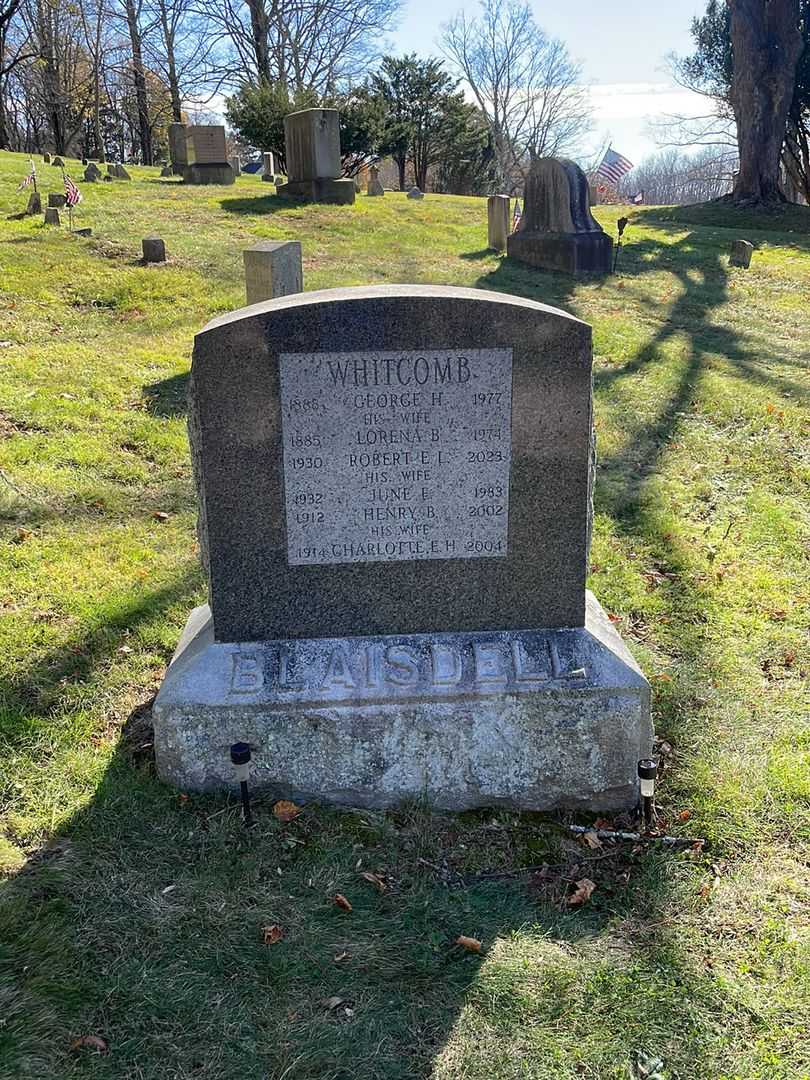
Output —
(206, 155)
(394, 487)
(272, 268)
(498, 221)
(312, 152)
(557, 230)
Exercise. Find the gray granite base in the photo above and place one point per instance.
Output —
(323, 190)
(209, 173)
(569, 253)
(524, 719)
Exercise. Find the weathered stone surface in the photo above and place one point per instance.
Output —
(268, 166)
(58, 162)
(238, 434)
(498, 207)
(208, 173)
(312, 151)
(272, 268)
(46, 158)
(557, 230)
(167, 170)
(524, 719)
(34, 203)
(51, 216)
(177, 148)
(415, 193)
(86, 231)
(206, 145)
(154, 249)
(374, 185)
(92, 173)
(235, 164)
(57, 199)
(741, 252)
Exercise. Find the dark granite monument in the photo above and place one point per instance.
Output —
(557, 230)
(395, 495)
(206, 155)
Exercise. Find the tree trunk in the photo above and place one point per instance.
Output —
(400, 160)
(766, 44)
(139, 79)
(259, 27)
(171, 64)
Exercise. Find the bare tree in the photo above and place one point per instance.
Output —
(673, 177)
(13, 51)
(320, 45)
(525, 83)
(180, 43)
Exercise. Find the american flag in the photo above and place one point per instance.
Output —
(72, 194)
(613, 167)
(516, 216)
(28, 179)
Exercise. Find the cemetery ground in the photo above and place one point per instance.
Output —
(184, 945)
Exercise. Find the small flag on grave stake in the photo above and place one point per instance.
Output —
(516, 216)
(30, 179)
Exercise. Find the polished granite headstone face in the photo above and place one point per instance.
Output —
(394, 487)
(397, 459)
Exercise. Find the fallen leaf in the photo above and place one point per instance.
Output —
(333, 1002)
(342, 902)
(272, 934)
(684, 815)
(286, 811)
(603, 823)
(160, 515)
(592, 840)
(21, 535)
(471, 944)
(375, 880)
(93, 1042)
(584, 888)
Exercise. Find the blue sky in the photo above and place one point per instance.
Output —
(622, 47)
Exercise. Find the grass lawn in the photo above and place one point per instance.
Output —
(136, 914)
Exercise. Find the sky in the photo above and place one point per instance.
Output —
(622, 47)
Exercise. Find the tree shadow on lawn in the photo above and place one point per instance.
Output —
(143, 921)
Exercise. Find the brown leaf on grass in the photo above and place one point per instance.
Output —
(471, 944)
(92, 1042)
(272, 934)
(592, 840)
(286, 811)
(582, 892)
(684, 815)
(342, 902)
(375, 880)
(21, 535)
(603, 823)
(160, 515)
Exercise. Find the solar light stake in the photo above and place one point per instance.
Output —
(240, 756)
(647, 772)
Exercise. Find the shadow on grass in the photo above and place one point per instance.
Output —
(143, 923)
(476, 256)
(259, 204)
(169, 397)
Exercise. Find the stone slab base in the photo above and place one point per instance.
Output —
(569, 253)
(531, 719)
(208, 173)
(324, 190)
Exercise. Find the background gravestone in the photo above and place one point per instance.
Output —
(394, 489)
(557, 230)
(312, 152)
(498, 221)
(206, 155)
(178, 154)
(374, 184)
(272, 268)
(740, 254)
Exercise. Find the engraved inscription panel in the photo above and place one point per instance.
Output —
(396, 455)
